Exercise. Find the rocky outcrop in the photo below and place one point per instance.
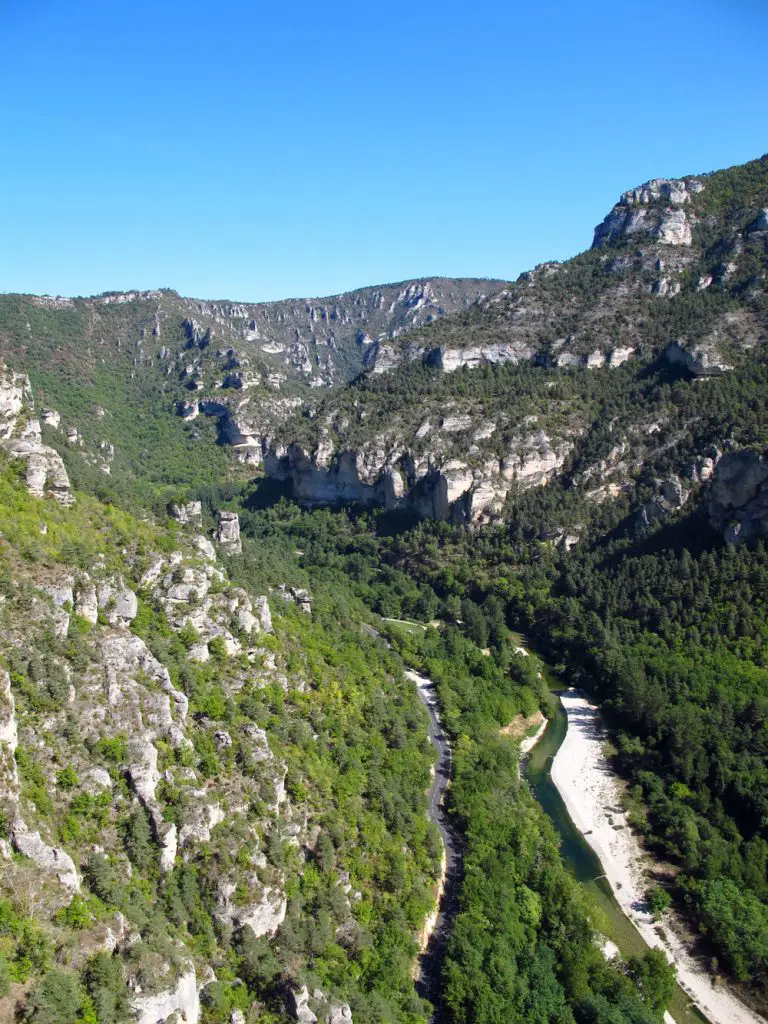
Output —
(15, 395)
(738, 501)
(21, 437)
(50, 859)
(9, 739)
(451, 359)
(51, 418)
(263, 917)
(181, 1004)
(447, 489)
(535, 460)
(186, 512)
(228, 533)
(45, 471)
(654, 210)
(298, 1006)
(118, 602)
(702, 359)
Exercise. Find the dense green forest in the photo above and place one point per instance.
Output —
(673, 641)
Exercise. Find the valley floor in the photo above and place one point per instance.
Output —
(592, 797)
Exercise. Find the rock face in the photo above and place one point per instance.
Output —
(264, 917)
(654, 210)
(702, 360)
(51, 859)
(180, 1004)
(15, 394)
(189, 512)
(738, 502)
(436, 488)
(298, 1004)
(9, 740)
(228, 533)
(20, 436)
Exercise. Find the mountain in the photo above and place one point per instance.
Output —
(227, 531)
(457, 418)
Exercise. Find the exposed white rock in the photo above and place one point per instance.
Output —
(340, 1013)
(298, 1005)
(9, 740)
(86, 601)
(15, 395)
(264, 917)
(51, 859)
(205, 547)
(535, 461)
(261, 605)
(228, 532)
(702, 359)
(451, 424)
(96, 780)
(45, 472)
(142, 770)
(620, 355)
(61, 593)
(182, 1000)
(655, 210)
(169, 843)
(451, 359)
(186, 512)
(118, 602)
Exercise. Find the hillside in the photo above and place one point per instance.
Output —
(213, 782)
(227, 532)
(621, 367)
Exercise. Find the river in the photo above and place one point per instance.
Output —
(578, 856)
(580, 859)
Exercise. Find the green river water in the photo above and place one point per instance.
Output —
(579, 856)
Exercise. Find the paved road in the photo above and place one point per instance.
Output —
(430, 963)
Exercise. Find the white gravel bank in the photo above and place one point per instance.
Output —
(591, 794)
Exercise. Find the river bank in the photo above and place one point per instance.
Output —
(592, 796)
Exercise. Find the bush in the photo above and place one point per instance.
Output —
(658, 901)
(67, 778)
(55, 999)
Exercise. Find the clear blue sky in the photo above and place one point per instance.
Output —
(259, 150)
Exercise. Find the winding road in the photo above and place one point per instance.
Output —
(430, 961)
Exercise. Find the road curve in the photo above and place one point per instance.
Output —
(431, 960)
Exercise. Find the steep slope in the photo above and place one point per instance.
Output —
(112, 371)
(699, 241)
(183, 774)
(673, 293)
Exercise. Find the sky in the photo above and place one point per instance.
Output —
(263, 150)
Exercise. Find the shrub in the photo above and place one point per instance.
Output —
(55, 999)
